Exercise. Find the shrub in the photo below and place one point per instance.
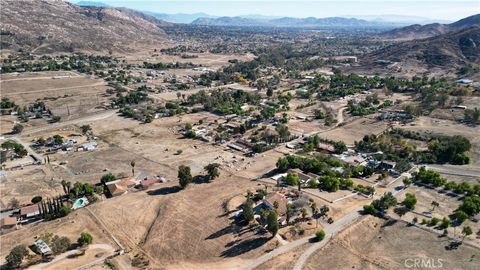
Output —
(85, 239)
(320, 235)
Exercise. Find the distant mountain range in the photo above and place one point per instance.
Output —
(310, 22)
(418, 31)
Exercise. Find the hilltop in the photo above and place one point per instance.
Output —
(449, 51)
(418, 31)
(52, 26)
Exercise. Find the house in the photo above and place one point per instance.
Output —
(88, 146)
(275, 198)
(147, 183)
(387, 165)
(237, 147)
(8, 223)
(42, 247)
(121, 186)
(30, 211)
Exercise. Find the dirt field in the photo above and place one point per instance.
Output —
(66, 96)
(424, 208)
(284, 261)
(183, 226)
(363, 246)
(356, 130)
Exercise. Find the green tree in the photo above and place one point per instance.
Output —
(460, 217)
(248, 214)
(212, 170)
(58, 140)
(466, 231)
(36, 199)
(184, 176)
(407, 181)
(410, 201)
(16, 255)
(64, 211)
(272, 222)
(59, 244)
(85, 239)
(85, 128)
(292, 179)
(17, 128)
(445, 223)
(320, 235)
(368, 209)
(109, 177)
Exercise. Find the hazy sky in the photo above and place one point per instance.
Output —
(434, 9)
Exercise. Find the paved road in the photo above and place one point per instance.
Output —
(109, 251)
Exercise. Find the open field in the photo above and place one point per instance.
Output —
(364, 244)
(73, 94)
(355, 130)
(447, 206)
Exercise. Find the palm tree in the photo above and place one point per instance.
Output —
(132, 163)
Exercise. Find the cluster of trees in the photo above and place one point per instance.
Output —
(132, 97)
(368, 106)
(270, 217)
(185, 174)
(6, 103)
(433, 178)
(222, 101)
(54, 208)
(441, 149)
(322, 164)
(80, 62)
(380, 205)
(58, 245)
(313, 141)
(162, 66)
(17, 148)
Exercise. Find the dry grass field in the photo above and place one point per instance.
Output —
(376, 244)
(71, 226)
(72, 95)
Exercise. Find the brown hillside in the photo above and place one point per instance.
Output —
(48, 26)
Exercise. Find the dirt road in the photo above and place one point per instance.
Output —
(109, 250)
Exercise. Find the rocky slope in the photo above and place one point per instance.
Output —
(54, 25)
